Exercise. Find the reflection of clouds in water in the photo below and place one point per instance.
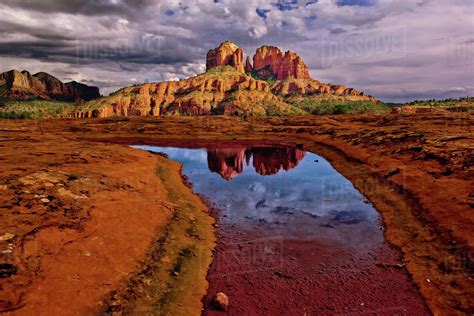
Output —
(257, 187)
(196, 155)
(311, 189)
(180, 154)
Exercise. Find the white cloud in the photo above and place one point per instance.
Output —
(396, 49)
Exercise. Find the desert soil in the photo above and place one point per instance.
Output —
(88, 218)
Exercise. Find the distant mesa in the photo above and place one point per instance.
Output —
(229, 162)
(23, 85)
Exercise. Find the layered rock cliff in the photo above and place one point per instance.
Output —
(228, 86)
(222, 90)
(23, 85)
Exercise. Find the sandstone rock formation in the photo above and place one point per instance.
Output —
(23, 85)
(248, 66)
(226, 54)
(270, 62)
(227, 87)
(227, 92)
(312, 87)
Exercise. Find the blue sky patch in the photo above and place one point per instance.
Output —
(362, 3)
(309, 20)
(169, 12)
(263, 13)
(286, 5)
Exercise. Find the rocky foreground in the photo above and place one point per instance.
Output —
(276, 83)
(81, 219)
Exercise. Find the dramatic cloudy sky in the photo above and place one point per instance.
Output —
(397, 50)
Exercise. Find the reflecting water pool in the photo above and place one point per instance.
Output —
(279, 188)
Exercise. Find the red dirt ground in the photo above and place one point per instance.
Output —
(417, 170)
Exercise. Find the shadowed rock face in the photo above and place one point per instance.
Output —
(229, 162)
(248, 66)
(24, 85)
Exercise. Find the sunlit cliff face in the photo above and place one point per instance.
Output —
(229, 162)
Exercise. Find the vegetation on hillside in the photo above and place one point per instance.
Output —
(34, 109)
(257, 75)
(235, 101)
(467, 102)
(331, 105)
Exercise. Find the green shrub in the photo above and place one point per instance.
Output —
(33, 109)
(333, 107)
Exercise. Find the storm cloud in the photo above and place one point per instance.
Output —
(394, 49)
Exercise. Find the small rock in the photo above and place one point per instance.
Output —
(45, 200)
(7, 237)
(3, 187)
(392, 172)
(87, 253)
(7, 251)
(7, 269)
(221, 301)
(428, 280)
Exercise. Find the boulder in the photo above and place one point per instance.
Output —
(221, 301)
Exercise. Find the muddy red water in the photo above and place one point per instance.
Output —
(294, 236)
(267, 275)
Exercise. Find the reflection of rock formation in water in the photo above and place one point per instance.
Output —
(268, 160)
(229, 162)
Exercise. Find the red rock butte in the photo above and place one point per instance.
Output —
(275, 84)
(269, 62)
(226, 54)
